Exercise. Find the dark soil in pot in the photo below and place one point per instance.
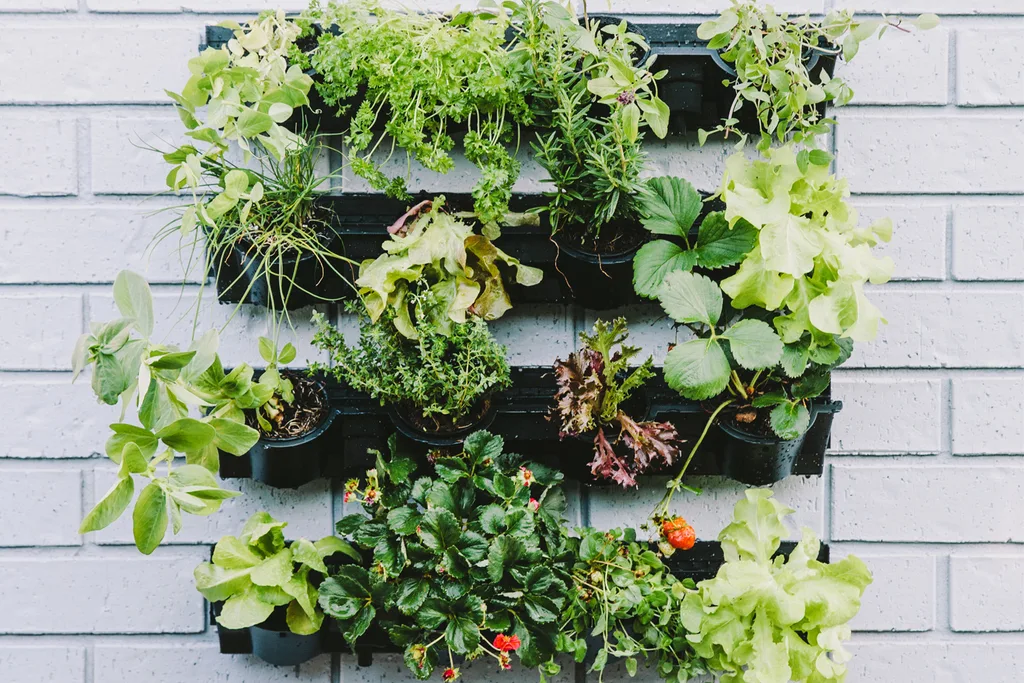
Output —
(598, 274)
(293, 455)
(274, 643)
(752, 453)
(439, 430)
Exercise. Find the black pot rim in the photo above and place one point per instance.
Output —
(322, 426)
(763, 440)
(333, 239)
(408, 429)
(611, 258)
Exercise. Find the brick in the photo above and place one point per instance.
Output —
(988, 70)
(53, 418)
(890, 415)
(93, 64)
(47, 160)
(41, 330)
(871, 503)
(945, 329)
(954, 7)
(174, 313)
(534, 334)
(902, 596)
(102, 239)
(987, 594)
(40, 507)
(123, 594)
(33, 664)
(39, 6)
(901, 69)
(918, 246)
(988, 243)
(203, 6)
(187, 663)
(307, 511)
(685, 158)
(987, 417)
(121, 162)
(709, 512)
(948, 662)
(950, 154)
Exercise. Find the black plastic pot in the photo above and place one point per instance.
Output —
(412, 431)
(758, 460)
(596, 281)
(242, 278)
(274, 643)
(292, 462)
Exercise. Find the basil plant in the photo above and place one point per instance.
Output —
(186, 405)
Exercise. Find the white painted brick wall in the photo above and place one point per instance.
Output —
(925, 480)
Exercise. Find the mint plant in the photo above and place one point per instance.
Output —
(770, 51)
(167, 387)
(593, 385)
(255, 572)
(670, 207)
(471, 561)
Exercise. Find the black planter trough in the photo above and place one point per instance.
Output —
(596, 281)
(410, 430)
(759, 460)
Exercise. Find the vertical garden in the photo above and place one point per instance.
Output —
(463, 550)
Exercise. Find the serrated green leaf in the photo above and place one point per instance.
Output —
(691, 298)
(789, 420)
(669, 206)
(697, 369)
(654, 261)
(719, 246)
(754, 344)
(440, 529)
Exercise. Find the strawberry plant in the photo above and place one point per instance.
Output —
(471, 562)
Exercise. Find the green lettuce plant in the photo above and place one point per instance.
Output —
(418, 82)
(186, 405)
(431, 251)
(471, 561)
(770, 53)
(669, 207)
(442, 376)
(255, 572)
(812, 258)
(593, 385)
(591, 101)
(773, 620)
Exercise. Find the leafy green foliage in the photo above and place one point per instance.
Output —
(773, 621)
(443, 374)
(589, 98)
(422, 78)
(592, 386)
(770, 54)
(701, 369)
(254, 573)
(670, 206)
(167, 387)
(624, 595)
(282, 391)
(436, 271)
(456, 559)
(812, 259)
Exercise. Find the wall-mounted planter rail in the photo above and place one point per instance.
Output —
(361, 219)
(693, 87)
(270, 643)
(521, 418)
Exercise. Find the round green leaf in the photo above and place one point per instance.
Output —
(697, 369)
(149, 519)
(670, 206)
(691, 298)
(110, 507)
(754, 344)
(655, 261)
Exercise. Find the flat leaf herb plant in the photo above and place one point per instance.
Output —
(420, 82)
(256, 572)
(471, 562)
(770, 53)
(594, 389)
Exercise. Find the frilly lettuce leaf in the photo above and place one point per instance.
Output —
(774, 621)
